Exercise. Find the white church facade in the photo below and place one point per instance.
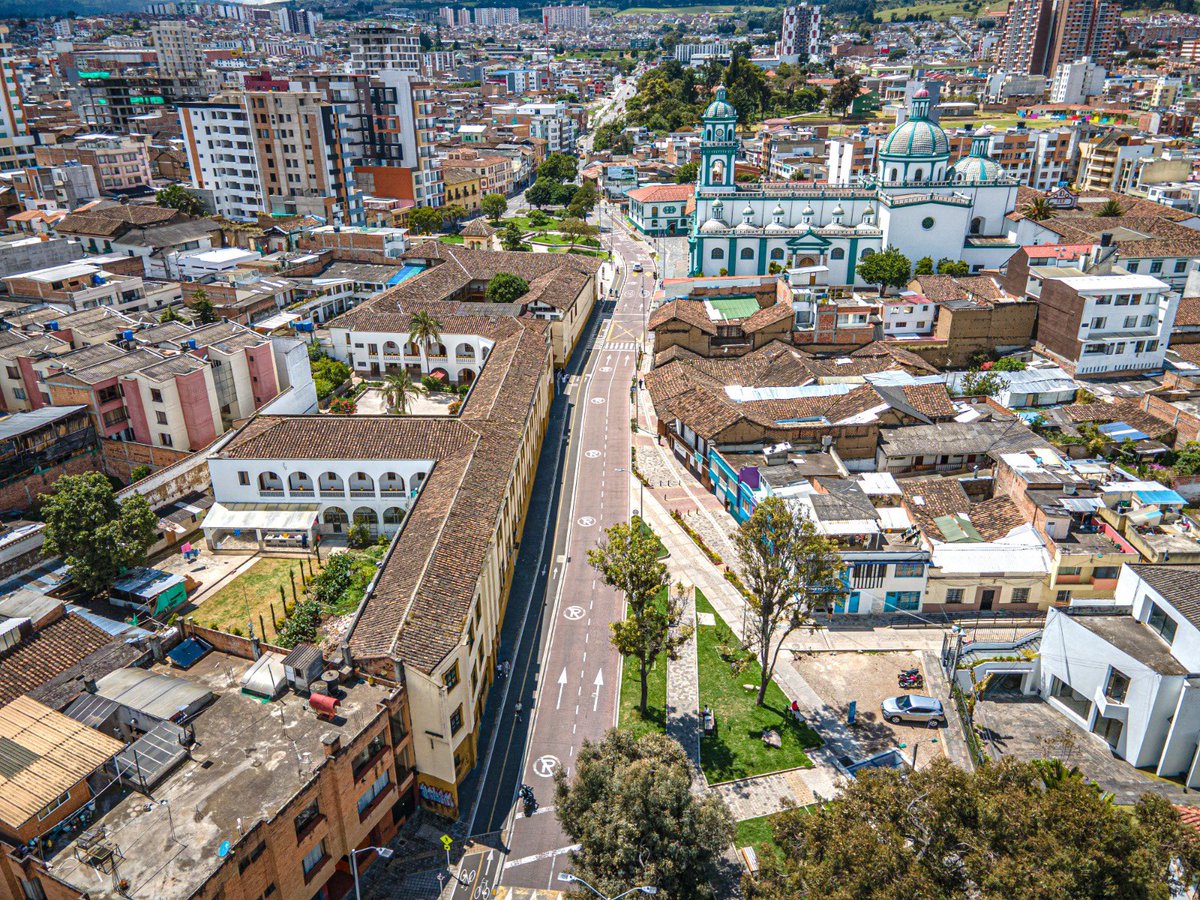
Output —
(917, 202)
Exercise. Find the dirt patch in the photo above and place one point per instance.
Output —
(869, 678)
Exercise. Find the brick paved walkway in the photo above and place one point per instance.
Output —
(683, 693)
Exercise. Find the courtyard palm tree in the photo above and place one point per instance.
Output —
(1038, 209)
(424, 331)
(1110, 209)
(397, 389)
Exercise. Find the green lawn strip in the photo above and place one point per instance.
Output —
(631, 718)
(451, 239)
(662, 550)
(757, 833)
(737, 750)
(250, 594)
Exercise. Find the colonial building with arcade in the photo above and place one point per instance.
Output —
(917, 201)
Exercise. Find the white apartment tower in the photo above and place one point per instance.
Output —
(800, 34)
(1075, 82)
(577, 17)
(178, 47)
(374, 49)
(16, 143)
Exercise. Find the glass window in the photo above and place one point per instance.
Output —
(905, 600)
(1117, 687)
(53, 805)
(954, 595)
(306, 815)
(910, 570)
(1155, 266)
(451, 677)
(1162, 624)
(314, 857)
(1020, 595)
(377, 787)
(456, 720)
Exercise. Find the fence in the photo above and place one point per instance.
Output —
(978, 756)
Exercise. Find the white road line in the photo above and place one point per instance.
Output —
(538, 857)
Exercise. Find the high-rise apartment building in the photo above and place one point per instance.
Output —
(297, 21)
(16, 143)
(1041, 35)
(1084, 28)
(1074, 82)
(576, 17)
(273, 150)
(800, 34)
(491, 16)
(178, 47)
(374, 49)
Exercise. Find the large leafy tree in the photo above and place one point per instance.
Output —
(687, 173)
(505, 287)
(205, 312)
(627, 559)
(633, 812)
(96, 536)
(842, 94)
(790, 569)
(494, 206)
(453, 213)
(584, 200)
(575, 229)
(888, 268)
(558, 167)
(511, 237)
(175, 196)
(1012, 829)
(424, 219)
(540, 193)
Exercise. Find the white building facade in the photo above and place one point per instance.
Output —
(917, 201)
(1130, 678)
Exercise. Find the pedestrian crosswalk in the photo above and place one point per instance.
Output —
(620, 345)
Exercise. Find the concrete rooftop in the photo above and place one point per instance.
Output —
(250, 758)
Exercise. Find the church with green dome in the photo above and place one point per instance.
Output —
(917, 201)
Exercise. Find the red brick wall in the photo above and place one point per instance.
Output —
(22, 494)
(120, 458)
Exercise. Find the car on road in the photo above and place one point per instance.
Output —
(637, 267)
(914, 708)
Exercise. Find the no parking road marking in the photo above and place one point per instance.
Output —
(586, 521)
(574, 613)
(544, 766)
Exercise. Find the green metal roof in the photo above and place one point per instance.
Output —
(957, 529)
(733, 307)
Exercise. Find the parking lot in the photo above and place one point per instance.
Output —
(870, 678)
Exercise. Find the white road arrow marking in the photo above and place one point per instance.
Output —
(599, 682)
(562, 681)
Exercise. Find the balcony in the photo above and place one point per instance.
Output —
(362, 494)
(333, 492)
(271, 493)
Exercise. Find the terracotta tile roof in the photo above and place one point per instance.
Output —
(1189, 815)
(1188, 314)
(663, 193)
(478, 227)
(930, 400)
(352, 437)
(974, 288)
(47, 652)
(1145, 229)
(926, 499)
(110, 221)
(689, 312)
(1124, 410)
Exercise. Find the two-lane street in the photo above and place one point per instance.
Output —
(565, 672)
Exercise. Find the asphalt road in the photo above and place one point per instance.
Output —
(566, 674)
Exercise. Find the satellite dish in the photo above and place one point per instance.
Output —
(223, 850)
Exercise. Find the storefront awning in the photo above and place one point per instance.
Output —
(265, 516)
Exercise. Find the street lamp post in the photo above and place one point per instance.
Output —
(384, 853)
(575, 879)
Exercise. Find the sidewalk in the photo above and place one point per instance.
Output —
(688, 561)
(683, 693)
